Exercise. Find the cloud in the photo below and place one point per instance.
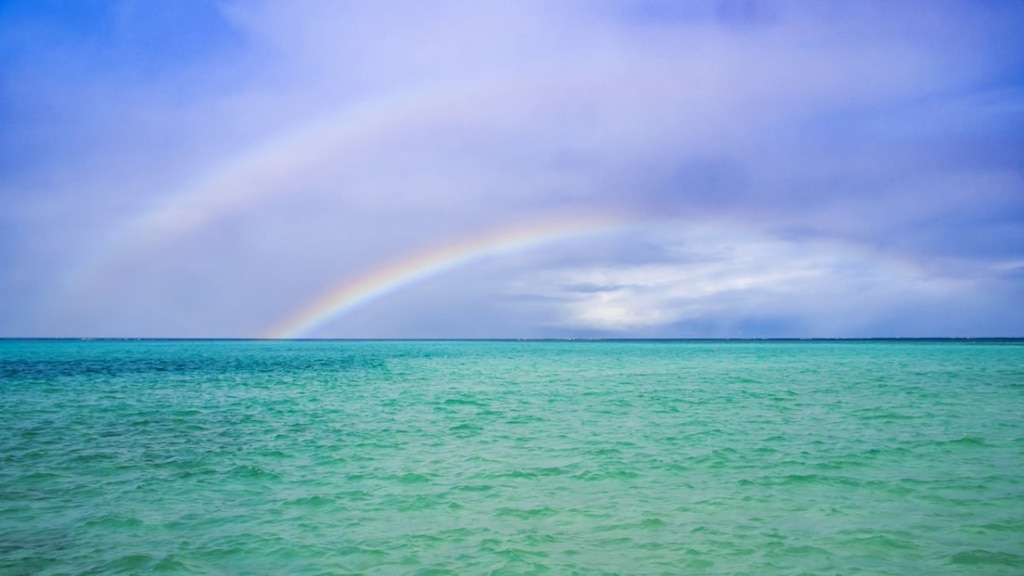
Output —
(212, 187)
(719, 274)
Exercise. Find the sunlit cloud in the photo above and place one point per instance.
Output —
(720, 273)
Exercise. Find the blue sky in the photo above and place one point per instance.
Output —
(768, 169)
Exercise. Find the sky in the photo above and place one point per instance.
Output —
(526, 169)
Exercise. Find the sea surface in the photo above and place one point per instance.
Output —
(479, 457)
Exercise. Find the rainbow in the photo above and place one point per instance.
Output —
(269, 168)
(395, 275)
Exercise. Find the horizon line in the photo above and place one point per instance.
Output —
(513, 339)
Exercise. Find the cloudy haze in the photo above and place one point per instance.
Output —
(196, 169)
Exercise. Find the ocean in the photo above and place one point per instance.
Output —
(505, 457)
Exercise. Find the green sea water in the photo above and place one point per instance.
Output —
(341, 457)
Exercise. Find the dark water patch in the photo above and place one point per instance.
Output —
(967, 441)
(526, 513)
(604, 451)
(312, 502)
(987, 558)
(524, 419)
(802, 480)
(114, 521)
(474, 487)
(886, 542)
(171, 564)
(466, 429)
(251, 471)
(872, 454)
(418, 502)
(1014, 526)
(652, 524)
(414, 478)
(127, 564)
(463, 402)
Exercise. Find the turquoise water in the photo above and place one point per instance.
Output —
(207, 457)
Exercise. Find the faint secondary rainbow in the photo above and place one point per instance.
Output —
(278, 164)
(271, 167)
(266, 168)
(397, 274)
